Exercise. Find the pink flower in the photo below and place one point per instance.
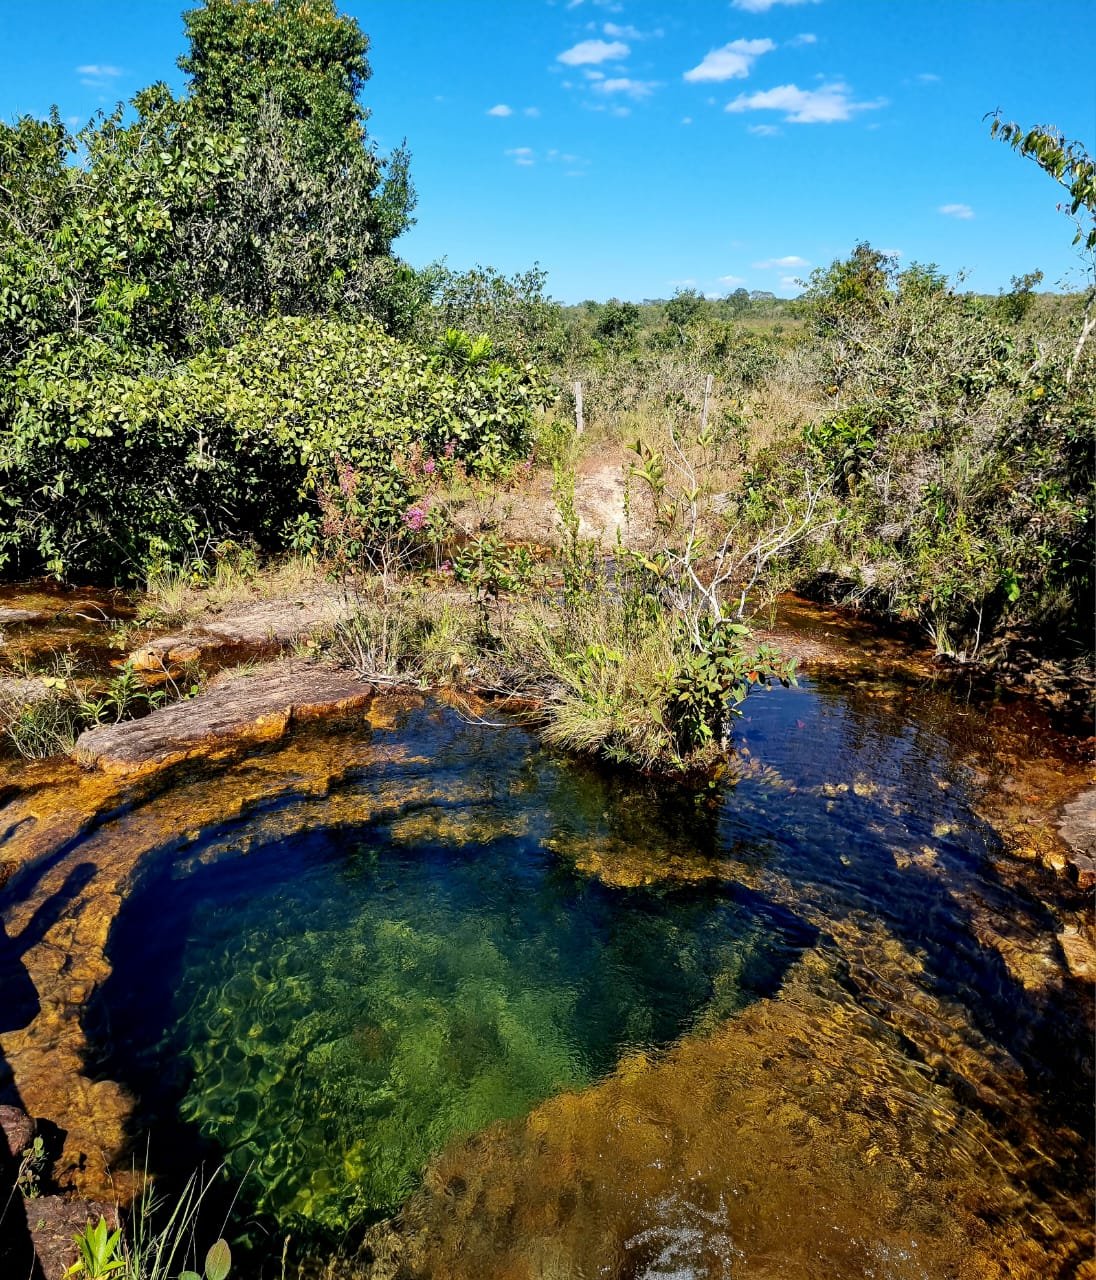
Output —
(429, 466)
(450, 448)
(348, 481)
(414, 518)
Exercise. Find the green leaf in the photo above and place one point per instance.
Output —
(218, 1261)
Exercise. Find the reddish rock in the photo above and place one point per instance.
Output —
(236, 710)
(17, 1128)
(53, 1221)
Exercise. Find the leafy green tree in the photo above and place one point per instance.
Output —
(1015, 305)
(302, 53)
(94, 225)
(617, 323)
(313, 211)
(684, 307)
(1070, 165)
(1067, 162)
(522, 322)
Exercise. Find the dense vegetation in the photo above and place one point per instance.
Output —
(206, 339)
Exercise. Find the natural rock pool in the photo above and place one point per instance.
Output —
(564, 1022)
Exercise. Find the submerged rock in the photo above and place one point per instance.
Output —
(236, 710)
(1078, 829)
(9, 617)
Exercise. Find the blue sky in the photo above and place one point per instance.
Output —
(634, 146)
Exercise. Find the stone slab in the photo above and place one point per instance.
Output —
(255, 626)
(237, 709)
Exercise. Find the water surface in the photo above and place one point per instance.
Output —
(577, 1023)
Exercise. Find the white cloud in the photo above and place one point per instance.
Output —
(593, 75)
(632, 88)
(522, 155)
(826, 105)
(731, 282)
(790, 282)
(763, 6)
(627, 32)
(962, 211)
(531, 112)
(96, 75)
(593, 51)
(501, 109)
(732, 62)
(804, 38)
(928, 77)
(764, 130)
(790, 260)
(686, 119)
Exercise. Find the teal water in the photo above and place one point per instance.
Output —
(327, 991)
(332, 1008)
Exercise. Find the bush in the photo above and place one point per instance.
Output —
(109, 470)
(960, 454)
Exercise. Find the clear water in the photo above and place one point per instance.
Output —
(334, 1007)
(874, 1068)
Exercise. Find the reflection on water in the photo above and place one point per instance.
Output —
(871, 1062)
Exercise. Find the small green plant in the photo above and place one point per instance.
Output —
(218, 1263)
(32, 1166)
(488, 567)
(125, 694)
(100, 1251)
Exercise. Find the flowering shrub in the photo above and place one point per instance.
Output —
(105, 467)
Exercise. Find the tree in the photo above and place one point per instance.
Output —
(302, 53)
(684, 307)
(617, 322)
(313, 211)
(1014, 305)
(1068, 163)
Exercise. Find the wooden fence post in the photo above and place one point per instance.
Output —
(707, 397)
(579, 423)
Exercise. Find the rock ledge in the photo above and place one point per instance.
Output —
(236, 710)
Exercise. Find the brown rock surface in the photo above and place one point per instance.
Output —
(9, 616)
(1077, 828)
(76, 841)
(17, 1128)
(53, 1221)
(258, 625)
(1079, 951)
(237, 709)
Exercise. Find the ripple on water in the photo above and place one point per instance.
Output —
(581, 1025)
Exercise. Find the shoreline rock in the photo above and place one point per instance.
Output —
(237, 710)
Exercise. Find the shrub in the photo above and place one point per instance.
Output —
(109, 470)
